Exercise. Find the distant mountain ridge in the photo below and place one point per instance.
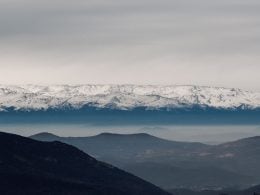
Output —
(124, 97)
(124, 147)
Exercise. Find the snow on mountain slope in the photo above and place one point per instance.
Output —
(124, 97)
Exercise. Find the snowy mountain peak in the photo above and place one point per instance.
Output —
(124, 97)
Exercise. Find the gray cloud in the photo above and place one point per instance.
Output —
(201, 42)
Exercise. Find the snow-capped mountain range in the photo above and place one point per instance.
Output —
(124, 97)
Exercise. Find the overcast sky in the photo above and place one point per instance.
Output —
(202, 42)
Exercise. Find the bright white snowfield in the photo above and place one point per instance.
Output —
(124, 97)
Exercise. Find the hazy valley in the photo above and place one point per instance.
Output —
(171, 164)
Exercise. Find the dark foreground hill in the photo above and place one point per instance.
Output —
(33, 167)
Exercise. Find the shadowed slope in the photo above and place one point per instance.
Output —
(33, 167)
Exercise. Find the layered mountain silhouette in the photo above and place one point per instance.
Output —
(123, 148)
(28, 166)
(171, 164)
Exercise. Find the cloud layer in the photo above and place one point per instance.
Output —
(201, 42)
